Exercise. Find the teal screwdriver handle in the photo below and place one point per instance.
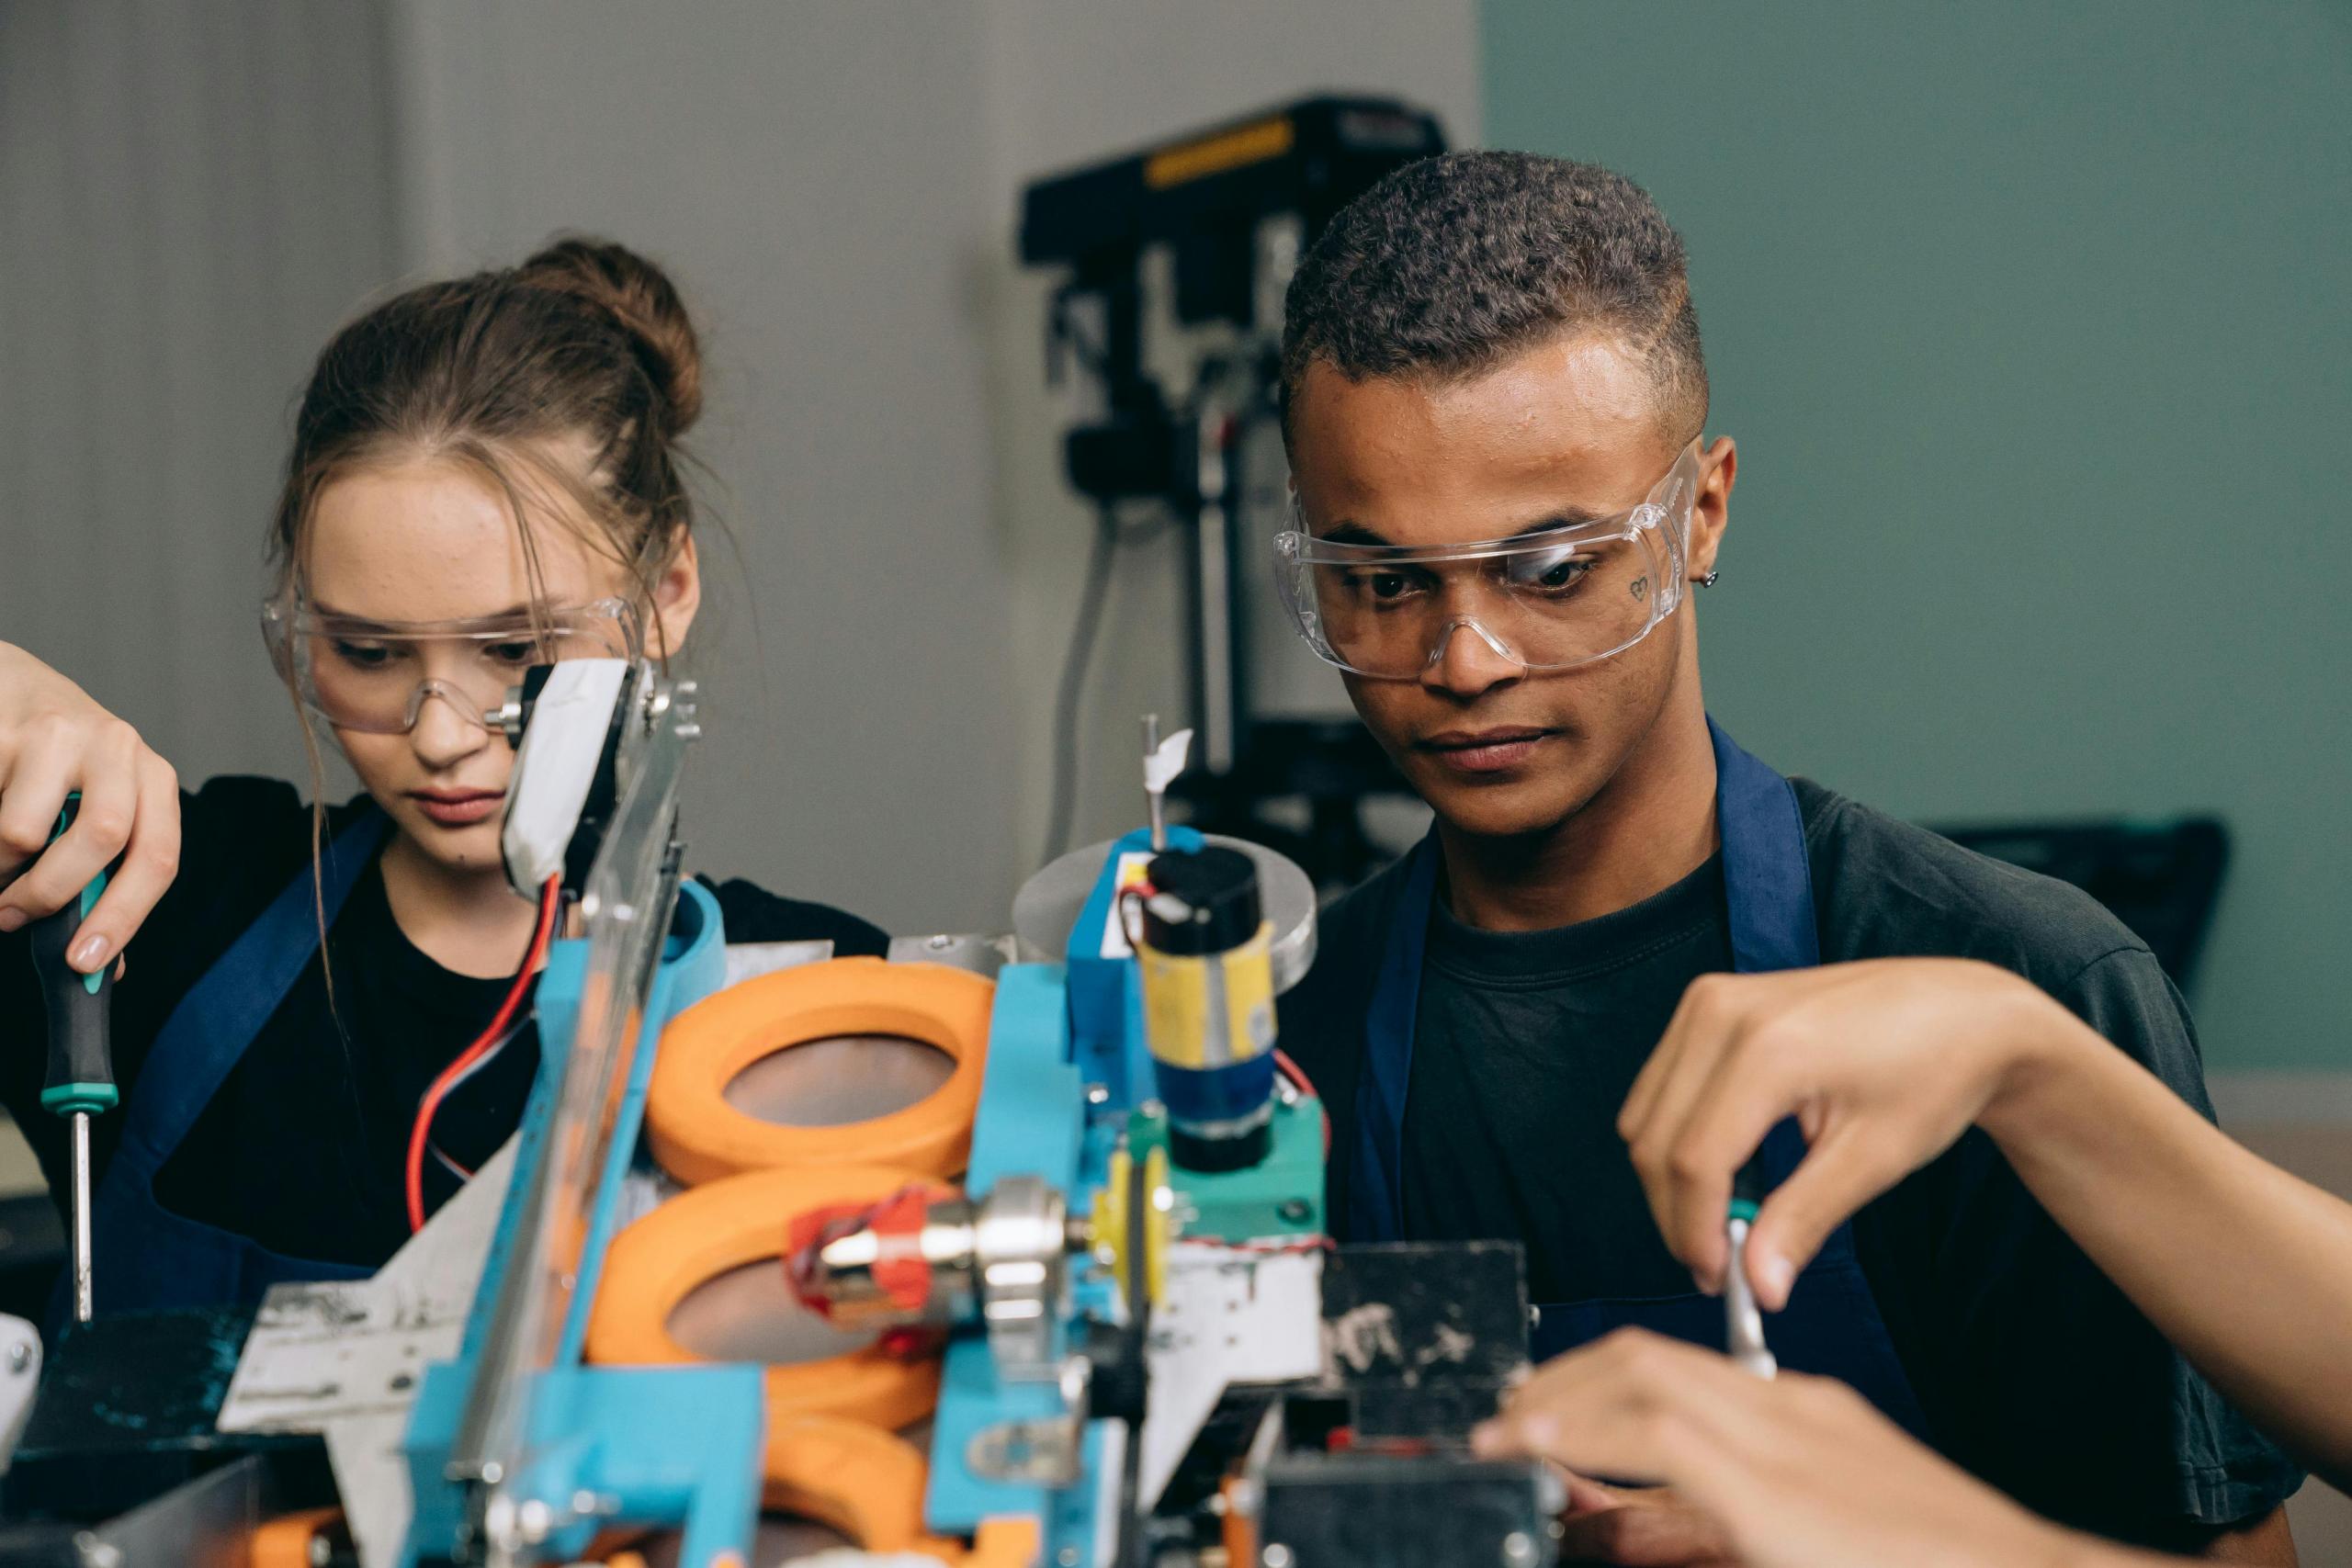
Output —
(80, 1055)
(1747, 1189)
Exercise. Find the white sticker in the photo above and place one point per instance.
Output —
(1133, 866)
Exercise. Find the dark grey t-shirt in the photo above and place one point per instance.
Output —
(2034, 1370)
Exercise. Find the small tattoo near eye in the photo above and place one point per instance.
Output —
(1641, 588)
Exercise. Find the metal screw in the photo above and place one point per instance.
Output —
(1276, 1555)
(1097, 1095)
(1519, 1550)
(20, 1356)
(322, 1551)
(1294, 1211)
(1067, 1557)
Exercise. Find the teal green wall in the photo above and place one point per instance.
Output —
(2034, 325)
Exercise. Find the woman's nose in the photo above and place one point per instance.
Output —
(446, 732)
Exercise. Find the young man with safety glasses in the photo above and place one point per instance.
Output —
(1495, 403)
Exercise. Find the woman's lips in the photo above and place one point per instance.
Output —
(459, 809)
(1483, 751)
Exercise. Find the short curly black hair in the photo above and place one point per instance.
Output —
(1453, 263)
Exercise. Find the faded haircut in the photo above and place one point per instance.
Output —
(1451, 264)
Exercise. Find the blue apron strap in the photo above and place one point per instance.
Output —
(209, 1032)
(1768, 882)
(1377, 1186)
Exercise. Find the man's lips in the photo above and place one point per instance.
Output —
(1483, 751)
(457, 807)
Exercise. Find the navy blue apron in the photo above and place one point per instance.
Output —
(149, 1257)
(1831, 1325)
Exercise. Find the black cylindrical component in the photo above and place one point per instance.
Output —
(1202, 902)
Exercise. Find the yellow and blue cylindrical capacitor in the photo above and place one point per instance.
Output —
(1208, 1006)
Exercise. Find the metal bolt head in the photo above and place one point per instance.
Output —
(20, 1356)
(1067, 1557)
(1097, 1095)
(1519, 1549)
(1294, 1211)
(1275, 1556)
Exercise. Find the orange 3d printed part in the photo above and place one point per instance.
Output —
(703, 1233)
(699, 1136)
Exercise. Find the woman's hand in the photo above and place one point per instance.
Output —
(1884, 1063)
(54, 741)
(1793, 1473)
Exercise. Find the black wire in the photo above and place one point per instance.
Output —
(1133, 1542)
(1071, 692)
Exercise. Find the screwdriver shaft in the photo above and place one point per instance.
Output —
(1744, 1324)
(82, 1283)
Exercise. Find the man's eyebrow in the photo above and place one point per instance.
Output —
(1565, 518)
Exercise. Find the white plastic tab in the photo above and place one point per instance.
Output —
(556, 765)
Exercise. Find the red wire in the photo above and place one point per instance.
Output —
(421, 1132)
(1306, 1086)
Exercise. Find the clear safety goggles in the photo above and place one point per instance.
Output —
(1549, 599)
(375, 676)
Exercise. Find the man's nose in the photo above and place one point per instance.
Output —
(1466, 664)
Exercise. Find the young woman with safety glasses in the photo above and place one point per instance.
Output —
(485, 476)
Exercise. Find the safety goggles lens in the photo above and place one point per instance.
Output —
(1548, 601)
(375, 678)
(1559, 605)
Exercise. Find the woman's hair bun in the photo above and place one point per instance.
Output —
(640, 296)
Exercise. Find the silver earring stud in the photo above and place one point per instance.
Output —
(1709, 581)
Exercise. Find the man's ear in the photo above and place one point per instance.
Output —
(1718, 468)
(677, 595)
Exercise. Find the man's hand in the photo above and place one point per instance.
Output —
(1648, 1527)
(1792, 1473)
(1884, 1063)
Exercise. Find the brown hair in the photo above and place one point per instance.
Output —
(585, 339)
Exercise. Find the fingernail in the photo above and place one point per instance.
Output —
(1777, 1277)
(88, 954)
(12, 919)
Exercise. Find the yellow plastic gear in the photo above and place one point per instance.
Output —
(1107, 1228)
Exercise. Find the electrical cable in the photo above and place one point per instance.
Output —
(472, 1071)
(1071, 689)
(1306, 1086)
(489, 1041)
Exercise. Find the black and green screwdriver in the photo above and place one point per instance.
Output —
(81, 1056)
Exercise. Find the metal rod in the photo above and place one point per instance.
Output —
(1159, 804)
(625, 910)
(84, 1293)
(1742, 1323)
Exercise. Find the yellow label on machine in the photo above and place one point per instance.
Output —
(1211, 1010)
(1214, 154)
